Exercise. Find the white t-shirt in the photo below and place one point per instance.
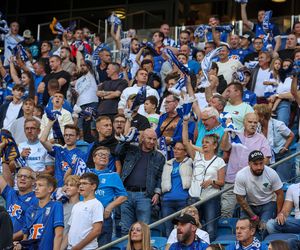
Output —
(259, 190)
(84, 215)
(285, 87)
(38, 158)
(262, 75)
(292, 195)
(203, 171)
(228, 68)
(203, 235)
(86, 87)
(11, 114)
(135, 65)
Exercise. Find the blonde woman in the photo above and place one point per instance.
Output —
(139, 237)
(193, 211)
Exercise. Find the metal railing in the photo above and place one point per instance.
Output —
(172, 216)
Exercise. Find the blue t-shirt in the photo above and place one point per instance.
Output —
(110, 186)
(37, 81)
(239, 54)
(194, 66)
(40, 223)
(259, 32)
(196, 245)
(177, 192)
(65, 159)
(249, 97)
(202, 132)
(16, 205)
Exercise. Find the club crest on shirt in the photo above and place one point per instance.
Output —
(28, 199)
(64, 166)
(47, 212)
(15, 210)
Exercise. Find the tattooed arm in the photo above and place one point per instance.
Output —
(244, 205)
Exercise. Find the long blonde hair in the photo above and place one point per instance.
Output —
(145, 237)
(193, 211)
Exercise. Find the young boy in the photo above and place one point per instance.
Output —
(150, 107)
(87, 216)
(44, 222)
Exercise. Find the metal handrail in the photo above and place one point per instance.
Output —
(171, 216)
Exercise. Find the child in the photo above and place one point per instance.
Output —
(44, 222)
(248, 96)
(87, 216)
(150, 107)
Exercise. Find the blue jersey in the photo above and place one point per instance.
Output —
(37, 81)
(239, 54)
(65, 159)
(66, 105)
(259, 32)
(249, 97)
(196, 245)
(110, 186)
(16, 205)
(40, 223)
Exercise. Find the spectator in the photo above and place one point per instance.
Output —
(263, 201)
(143, 189)
(290, 46)
(193, 211)
(46, 231)
(278, 245)
(280, 138)
(17, 127)
(186, 234)
(30, 43)
(17, 202)
(110, 192)
(249, 97)
(154, 80)
(257, 28)
(245, 231)
(87, 216)
(176, 180)
(208, 177)
(79, 42)
(218, 102)
(68, 159)
(63, 119)
(139, 236)
(257, 46)
(66, 64)
(110, 91)
(11, 40)
(235, 105)
(296, 30)
(58, 73)
(284, 223)
(141, 80)
(245, 43)
(251, 140)
(193, 65)
(57, 44)
(119, 125)
(32, 151)
(150, 107)
(12, 110)
(165, 29)
(6, 230)
(134, 49)
(39, 74)
(105, 58)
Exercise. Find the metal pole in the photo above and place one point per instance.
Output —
(106, 26)
(99, 26)
(38, 32)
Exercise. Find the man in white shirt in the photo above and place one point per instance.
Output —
(258, 190)
(32, 151)
(10, 111)
(284, 223)
(141, 78)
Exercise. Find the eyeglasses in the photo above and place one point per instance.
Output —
(27, 177)
(102, 155)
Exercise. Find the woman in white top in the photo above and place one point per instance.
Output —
(191, 210)
(208, 177)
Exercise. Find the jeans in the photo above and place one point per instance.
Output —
(291, 225)
(265, 212)
(284, 112)
(170, 207)
(106, 232)
(136, 208)
(210, 212)
(228, 202)
(285, 170)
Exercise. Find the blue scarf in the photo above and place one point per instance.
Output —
(255, 245)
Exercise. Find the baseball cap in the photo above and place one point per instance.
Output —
(255, 155)
(247, 36)
(185, 218)
(27, 34)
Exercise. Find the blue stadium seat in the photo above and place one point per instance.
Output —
(159, 242)
(226, 226)
(156, 232)
(225, 240)
(120, 246)
(281, 236)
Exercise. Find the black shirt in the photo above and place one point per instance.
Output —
(251, 57)
(110, 106)
(140, 122)
(6, 230)
(61, 74)
(286, 54)
(102, 75)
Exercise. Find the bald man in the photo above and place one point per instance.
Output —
(141, 175)
(238, 159)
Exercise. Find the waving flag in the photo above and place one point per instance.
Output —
(140, 97)
(163, 146)
(185, 109)
(57, 28)
(180, 84)
(4, 29)
(174, 59)
(53, 116)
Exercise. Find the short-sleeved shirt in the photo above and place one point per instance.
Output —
(219, 130)
(239, 155)
(140, 122)
(84, 215)
(259, 190)
(41, 223)
(16, 205)
(110, 186)
(203, 235)
(259, 32)
(110, 106)
(238, 113)
(292, 195)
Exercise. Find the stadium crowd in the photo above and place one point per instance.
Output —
(96, 145)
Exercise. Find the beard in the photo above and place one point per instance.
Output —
(183, 238)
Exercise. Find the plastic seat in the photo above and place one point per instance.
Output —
(159, 242)
(156, 232)
(120, 246)
(281, 236)
(226, 226)
(225, 240)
